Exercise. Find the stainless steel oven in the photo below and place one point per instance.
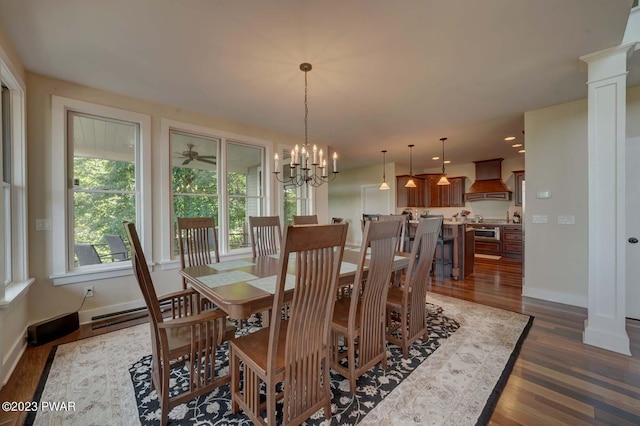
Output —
(487, 233)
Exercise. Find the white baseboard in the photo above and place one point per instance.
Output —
(555, 296)
(85, 316)
(13, 356)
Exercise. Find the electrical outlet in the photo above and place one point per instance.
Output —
(88, 291)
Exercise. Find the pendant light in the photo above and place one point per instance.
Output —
(410, 183)
(443, 180)
(384, 185)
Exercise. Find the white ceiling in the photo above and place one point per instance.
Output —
(385, 74)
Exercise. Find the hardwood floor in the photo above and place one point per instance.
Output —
(556, 380)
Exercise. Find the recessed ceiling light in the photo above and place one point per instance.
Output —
(435, 158)
(447, 161)
(509, 138)
(516, 145)
(521, 151)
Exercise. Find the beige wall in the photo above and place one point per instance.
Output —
(47, 300)
(557, 255)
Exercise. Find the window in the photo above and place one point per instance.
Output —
(245, 191)
(5, 214)
(14, 264)
(103, 189)
(105, 182)
(211, 173)
(194, 177)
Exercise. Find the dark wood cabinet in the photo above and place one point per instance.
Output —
(451, 195)
(512, 240)
(489, 169)
(410, 197)
(518, 195)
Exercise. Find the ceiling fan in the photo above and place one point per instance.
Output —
(191, 155)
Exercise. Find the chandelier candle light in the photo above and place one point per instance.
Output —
(307, 166)
(443, 180)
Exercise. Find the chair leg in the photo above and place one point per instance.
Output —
(404, 333)
(327, 389)
(351, 362)
(164, 397)
(271, 405)
(235, 382)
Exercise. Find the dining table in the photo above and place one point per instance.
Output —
(246, 286)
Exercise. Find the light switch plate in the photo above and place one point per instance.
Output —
(543, 194)
(566, 220)
(43, 224)
(540, 218)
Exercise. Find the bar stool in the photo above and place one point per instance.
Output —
(443, 258)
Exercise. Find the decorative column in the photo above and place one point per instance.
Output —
(605, 324)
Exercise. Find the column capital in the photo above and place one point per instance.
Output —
(608, 63)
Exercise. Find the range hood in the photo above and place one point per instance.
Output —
(488, 184)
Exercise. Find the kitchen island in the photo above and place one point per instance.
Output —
(463, 252)
(460, 258)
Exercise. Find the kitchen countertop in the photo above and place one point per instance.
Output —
(471, 222)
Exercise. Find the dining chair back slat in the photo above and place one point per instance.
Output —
(265, 234)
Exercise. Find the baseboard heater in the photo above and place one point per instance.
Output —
(130, 315)
(52, 329)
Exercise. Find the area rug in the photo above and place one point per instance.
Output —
(454, 378)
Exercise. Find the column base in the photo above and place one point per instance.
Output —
(605, 339)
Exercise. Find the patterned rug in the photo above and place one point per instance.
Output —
(453, 378)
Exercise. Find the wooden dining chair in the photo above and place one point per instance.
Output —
(360, 318)
(406, 303)
(188, 338)
(294, 351)
(198, 244)
(305, 220)
(265, 235)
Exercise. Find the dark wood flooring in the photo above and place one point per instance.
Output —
(557, 380)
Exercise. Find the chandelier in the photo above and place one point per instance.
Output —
(307, 166)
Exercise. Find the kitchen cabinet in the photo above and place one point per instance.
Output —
(512, 239)
(509, 243)
(410, 197)
(518, 195)
(451, 195)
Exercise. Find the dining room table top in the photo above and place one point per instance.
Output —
(246, 286)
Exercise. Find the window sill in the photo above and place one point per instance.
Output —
(14, 292)
(101, 273)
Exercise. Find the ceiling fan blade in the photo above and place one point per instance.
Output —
(187, 161)
(206, 156)
(206, 161)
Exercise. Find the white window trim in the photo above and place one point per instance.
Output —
(19, 219)
(166, 125)
(59, 194)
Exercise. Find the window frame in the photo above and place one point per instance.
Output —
(169, 261)
(61, 204)
(18, 240)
